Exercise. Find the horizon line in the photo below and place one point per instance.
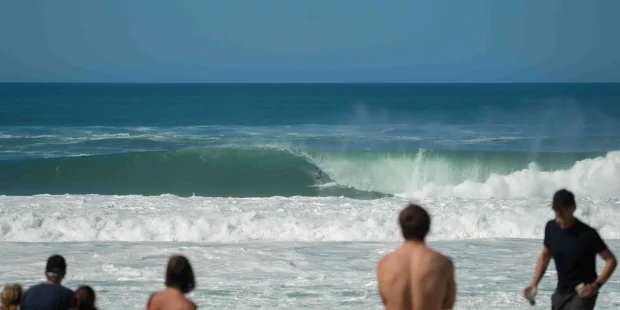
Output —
(299, 83)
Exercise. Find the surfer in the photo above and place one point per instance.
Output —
(318, 175)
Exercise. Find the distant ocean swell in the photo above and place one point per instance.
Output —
(273, 171)
(32, 142)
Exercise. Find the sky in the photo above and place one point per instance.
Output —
(319, 41)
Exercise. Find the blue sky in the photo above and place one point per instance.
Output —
(309, 41)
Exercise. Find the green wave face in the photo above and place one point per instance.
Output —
(263, 172)
(218, 172)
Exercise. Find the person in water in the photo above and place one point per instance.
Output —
(318, 175)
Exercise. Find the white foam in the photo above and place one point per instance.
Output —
(597, 177)
(490, 274)
(420, 177)
(46, 218)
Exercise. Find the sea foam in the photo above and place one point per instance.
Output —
(423, 176)
(46, 218)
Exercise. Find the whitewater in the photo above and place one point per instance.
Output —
(281, 252)
(223, 179)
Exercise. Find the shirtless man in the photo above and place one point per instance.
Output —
(415, 276)
(179, 281)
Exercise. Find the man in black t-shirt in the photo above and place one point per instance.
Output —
(573, 245)
(50, 294)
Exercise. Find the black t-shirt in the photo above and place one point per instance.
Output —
(47, 296)
(574, 252)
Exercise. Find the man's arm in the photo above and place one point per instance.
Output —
(610, 266)
(451, 292)
(541, 265)
(148, 303)
(598, 246)
(379, 276)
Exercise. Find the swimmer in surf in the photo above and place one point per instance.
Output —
(318, 175)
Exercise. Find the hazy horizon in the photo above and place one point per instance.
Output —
(309, 42)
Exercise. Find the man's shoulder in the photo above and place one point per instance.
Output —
(433, 257)
(46, 291)
(185, 304)
(552, 226)
(584, 225)
(435, 264)
(48, 287)
(66, 290)
(387, 259)
(392, 263)
(441, 259)
(155, 297)
(589, 230)
(43, 286)
(34, 287)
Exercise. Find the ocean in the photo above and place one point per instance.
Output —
(117, 177)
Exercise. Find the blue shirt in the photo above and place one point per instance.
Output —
(47, 296)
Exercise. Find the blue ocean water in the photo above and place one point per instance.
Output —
(261, 140)
(117, 177)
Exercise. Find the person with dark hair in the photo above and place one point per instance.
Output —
(84, 298)
(416, 276)
(573, 245)
(50, 294)
(180, 280)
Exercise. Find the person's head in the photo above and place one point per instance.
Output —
(56, 268)
(84, 298)
(564, 206)
(179, 274)
(11, 296)
(415, 223)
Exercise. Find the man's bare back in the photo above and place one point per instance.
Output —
(416, 277)
(170, 299)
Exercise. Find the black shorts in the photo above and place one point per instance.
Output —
(572, 301)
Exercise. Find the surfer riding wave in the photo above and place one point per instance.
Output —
(318, 176)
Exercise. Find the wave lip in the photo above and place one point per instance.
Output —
(67, 218)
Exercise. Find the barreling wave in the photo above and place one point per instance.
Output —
(264, 172)
(216, 172)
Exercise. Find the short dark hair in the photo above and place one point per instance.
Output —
(563, 199)
(179, 274)
(415, 222)
(56, 265)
